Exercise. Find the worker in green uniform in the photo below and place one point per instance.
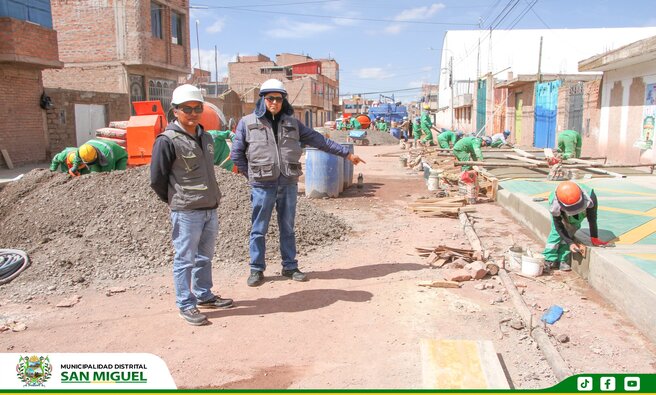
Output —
(416, 130)
(355, 124)
(446, 139)
(569, 205)
(426, 125)
(569, 144)
(100, 156)
(382, 125)
(64, 161)
(469, 149)
(221, 149)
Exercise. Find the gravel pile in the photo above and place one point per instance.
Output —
(375, 137)
(108, 226)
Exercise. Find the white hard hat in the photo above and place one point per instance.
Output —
(185, 93)
(272, 85)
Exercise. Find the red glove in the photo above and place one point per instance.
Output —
(468, 177)
(552, 161)
(597, 243)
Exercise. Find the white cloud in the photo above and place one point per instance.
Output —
(217, 26)
(207, 61)
(298, 30)
(346, 22)
(419, 12)
(374, 73)
(394, 28)
(416, 83)
(427, 68)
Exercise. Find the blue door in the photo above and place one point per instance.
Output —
(546, 108)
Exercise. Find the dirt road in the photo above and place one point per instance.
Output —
(357, 323)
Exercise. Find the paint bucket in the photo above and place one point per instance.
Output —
(514, 258)
(434, 180)
(532, 265)
(348, 167)
(404, 161)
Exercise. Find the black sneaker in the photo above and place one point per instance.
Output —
(295, 274)
(255, 279)
(193, 316)
(216, 302)
(549, 266)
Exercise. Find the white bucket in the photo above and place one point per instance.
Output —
(532, 266)
(434, 180)
(514, 259)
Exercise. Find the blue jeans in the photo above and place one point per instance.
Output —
(263, 199)
(194, 240)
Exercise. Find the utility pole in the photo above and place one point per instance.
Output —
(197, 44)
(451, 86)
(216, 71)
(540, 62)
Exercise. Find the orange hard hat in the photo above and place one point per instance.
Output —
(569, 193)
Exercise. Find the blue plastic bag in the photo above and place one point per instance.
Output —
(552, 315)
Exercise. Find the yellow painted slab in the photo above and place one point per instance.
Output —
(461, 364)
(638, 233)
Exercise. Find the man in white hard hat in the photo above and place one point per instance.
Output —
(267, 150)
(182, 175)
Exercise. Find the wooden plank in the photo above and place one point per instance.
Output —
(523, 159)
(523, 153)
(469, 232)
(7, 158)
(440, 284)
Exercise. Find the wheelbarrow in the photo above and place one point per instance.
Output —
(358, 137)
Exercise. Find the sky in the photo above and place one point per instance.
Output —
(382, 47)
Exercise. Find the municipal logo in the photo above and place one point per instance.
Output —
(33, 371)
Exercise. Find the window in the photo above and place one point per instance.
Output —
(156, 20)
(176, 28)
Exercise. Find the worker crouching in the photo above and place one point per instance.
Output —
(569, 205)
(99, 156)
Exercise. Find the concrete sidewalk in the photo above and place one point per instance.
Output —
(624, 274)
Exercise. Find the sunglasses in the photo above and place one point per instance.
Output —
(274, 99)
(188, 110)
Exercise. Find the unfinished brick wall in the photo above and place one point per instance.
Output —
(61, 118)
(244, 75)
(20, 40)
(591, 118)
(97, 39)
(21, 119)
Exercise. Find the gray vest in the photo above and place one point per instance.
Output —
(268, 160)
(192, 182)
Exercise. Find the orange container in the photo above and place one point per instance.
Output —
(212, 118)
(364, 120)
(142, 130)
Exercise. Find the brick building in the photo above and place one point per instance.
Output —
(312, 84)
(115, 52)
(28, 45)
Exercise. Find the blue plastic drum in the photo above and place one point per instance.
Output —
(324, 174)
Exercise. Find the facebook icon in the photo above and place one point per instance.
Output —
(607, 383)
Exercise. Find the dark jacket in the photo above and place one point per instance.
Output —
(182, 169)
(277, 128)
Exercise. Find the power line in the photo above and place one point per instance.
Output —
(240, 8)
(526, 10)
(540, 18)
(373, 93)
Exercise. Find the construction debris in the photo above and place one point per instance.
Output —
(440, 207)
(440, 284)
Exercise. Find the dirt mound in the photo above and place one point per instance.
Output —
(375, 137)
(105, 226)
